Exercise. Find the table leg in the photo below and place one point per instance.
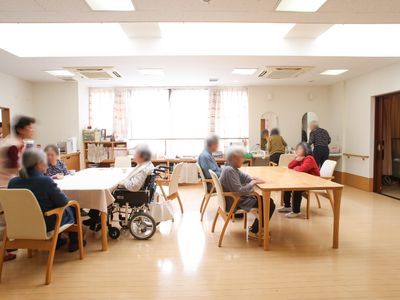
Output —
(104, 231)
(266, 204)
(337, 197)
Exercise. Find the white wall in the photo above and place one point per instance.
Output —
(16, 94)
(354, 100)
(56, 108)
(290, 103)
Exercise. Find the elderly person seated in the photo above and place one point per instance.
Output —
(134, 182)
(56, 168)
(234, 180)
(207, 161)
(49, 196)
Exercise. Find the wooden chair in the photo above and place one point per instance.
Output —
(207, 194)
(227, 216)
(123, 162)
(26, 228)
(284, 160)
(169, 187)
(326, 172)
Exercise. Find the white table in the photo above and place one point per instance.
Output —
(92, 188)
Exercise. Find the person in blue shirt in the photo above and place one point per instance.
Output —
(56, 168)
(206, 160)
(49, 196)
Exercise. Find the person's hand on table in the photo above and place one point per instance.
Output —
(257, 181)
(58, 176)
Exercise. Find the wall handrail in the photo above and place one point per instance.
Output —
(363, 157)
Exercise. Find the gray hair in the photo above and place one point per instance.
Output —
(30, 159)
(212, 139)
(234, 152)
(143, 151)
(52, 147)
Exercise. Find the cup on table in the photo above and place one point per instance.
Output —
(72, 172)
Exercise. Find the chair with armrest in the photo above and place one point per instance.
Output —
(326, 172)
(169, 187)
(228, 216)
(123, 162)
(26, 227)
(208, 192)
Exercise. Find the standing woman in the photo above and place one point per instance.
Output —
(276, 146)
(304, 162)
(320, 138)
(11, 149)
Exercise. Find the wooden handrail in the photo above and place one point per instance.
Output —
(363, 157)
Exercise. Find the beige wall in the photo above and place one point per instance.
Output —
(289, 103)
(16, 94)
(354, 99)
(57, 111)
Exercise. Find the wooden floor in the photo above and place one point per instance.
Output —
(182, 261)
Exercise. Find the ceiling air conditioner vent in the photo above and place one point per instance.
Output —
(97, 73)
(283, 72)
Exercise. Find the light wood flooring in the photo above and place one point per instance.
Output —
(182, 260)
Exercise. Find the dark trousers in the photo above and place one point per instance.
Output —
(275, 158)
(272, 206)
(321, 154)
(296, 201)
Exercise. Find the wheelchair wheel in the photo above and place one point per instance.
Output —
(142, 226)
(114, 232)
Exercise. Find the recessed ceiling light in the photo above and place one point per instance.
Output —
(243, 71)
(300, 5)
(334, 72)
(157, 72)
(60, 73)
(111, 5)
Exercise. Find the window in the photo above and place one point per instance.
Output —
(172, 121)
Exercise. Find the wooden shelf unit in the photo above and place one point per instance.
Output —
(120, 147)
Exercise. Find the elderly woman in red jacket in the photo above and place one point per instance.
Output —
(304, 162)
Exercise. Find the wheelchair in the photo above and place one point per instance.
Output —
(132, 209)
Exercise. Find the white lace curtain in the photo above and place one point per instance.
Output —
(170, 113)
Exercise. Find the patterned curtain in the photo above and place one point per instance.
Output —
(119, 113)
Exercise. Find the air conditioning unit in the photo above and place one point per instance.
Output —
(284, 72)
(98, 73)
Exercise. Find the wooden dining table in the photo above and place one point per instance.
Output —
(280, 179)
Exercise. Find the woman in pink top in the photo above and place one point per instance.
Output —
(304, 162)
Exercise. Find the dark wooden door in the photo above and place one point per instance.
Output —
(379, 146)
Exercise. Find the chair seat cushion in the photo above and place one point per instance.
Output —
(62, 228)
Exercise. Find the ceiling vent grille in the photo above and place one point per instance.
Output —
(283, 72)
(96, 73)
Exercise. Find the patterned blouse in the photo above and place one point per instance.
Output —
(58, 168)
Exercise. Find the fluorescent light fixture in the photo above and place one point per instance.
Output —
(111, 5)
(153, 72)
(243, 71)
(222, 32)
(300, 5)
(64, 39)
(334, 72)
(60, 73)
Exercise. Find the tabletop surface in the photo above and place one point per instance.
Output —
(280, 178)
(94, 179)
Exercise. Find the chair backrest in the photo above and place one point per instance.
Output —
(219, 190)
(285, 159)
(123, 162)
(173, 185)
(202, 177)
(24, 218)
(328, 167)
